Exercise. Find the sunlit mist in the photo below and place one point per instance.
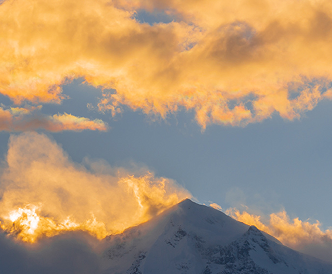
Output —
(43, 193)
(300, 235)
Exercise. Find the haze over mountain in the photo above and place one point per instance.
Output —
(192, 238)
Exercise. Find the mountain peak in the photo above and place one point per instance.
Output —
(195, 239)
(187, 202)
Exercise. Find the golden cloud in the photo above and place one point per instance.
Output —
(44, 194)
(59, 122)
(299, 235)
(22, 119)
(215, 206)
(231, 62)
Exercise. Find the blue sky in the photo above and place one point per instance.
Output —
(267, 166)
(275, 163)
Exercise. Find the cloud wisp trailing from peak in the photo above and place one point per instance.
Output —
(44, 194)
(231, 63)
(300, 235)
(23, 119)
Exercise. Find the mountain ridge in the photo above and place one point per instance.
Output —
(193, 238)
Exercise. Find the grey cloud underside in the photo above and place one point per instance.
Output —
(65, 254)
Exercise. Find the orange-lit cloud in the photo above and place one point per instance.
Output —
(44, 193)
(59, 122)
(22, 119)
(215, 206)
(300, 235)
(231, 62)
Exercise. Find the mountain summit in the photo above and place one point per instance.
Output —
(196, 239)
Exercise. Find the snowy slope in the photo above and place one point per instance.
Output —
(191, 238)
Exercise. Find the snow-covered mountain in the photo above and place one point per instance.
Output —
(191, 238)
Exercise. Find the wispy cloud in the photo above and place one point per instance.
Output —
(59, 122)
(23, 119)
(215, 206)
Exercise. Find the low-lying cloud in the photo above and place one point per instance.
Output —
(44, 194)
(300, 235)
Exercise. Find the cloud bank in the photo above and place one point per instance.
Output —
(44, 194)
(230, 63)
